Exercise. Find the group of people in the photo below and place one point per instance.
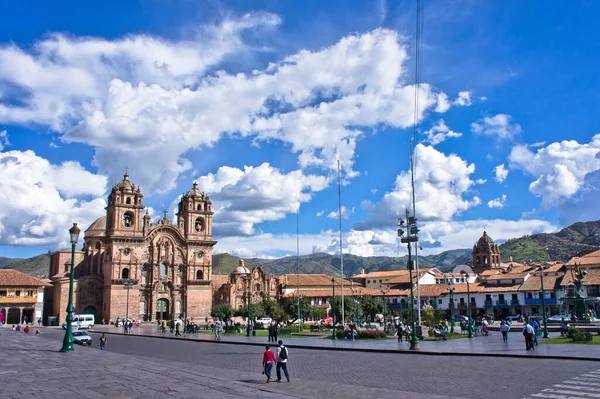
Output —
(530, 329)
(280, 360)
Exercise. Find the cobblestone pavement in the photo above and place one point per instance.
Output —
(584, 386)
(352, 374)
(490, 345)
(32, 367)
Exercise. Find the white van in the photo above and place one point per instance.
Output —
(81, 321)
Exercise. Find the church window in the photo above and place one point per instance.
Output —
(199, 224)
(199, 275)
(179, 269)
(142, 307)
(98, 245)
(163, 269)
(199, 207)
(128, 201)
(126, 252)
(128, 220)
(485, 260)
(125, 274)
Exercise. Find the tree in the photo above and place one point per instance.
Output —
(257, 310)
(270, 307)
(291, 308)
(222, 311)
(371, 306)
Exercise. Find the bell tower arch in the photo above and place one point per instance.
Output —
(124, 212)
(194, 215)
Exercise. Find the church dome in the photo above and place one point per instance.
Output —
(241, 270)
(125, 185)
(97, 228)
(485, 241)
(194, 192)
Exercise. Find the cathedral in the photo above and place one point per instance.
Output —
(130, 267)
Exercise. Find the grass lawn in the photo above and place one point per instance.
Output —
(450, 336)
(259, 333)
(564, 340)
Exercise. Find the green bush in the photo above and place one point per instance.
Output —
(578, 335)
(371, 334)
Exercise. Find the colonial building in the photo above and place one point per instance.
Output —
(244, 283)
(132, 267)
(486, 255)
(21, 297)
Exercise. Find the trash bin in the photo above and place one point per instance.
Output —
(52, 321)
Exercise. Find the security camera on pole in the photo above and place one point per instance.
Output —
(411, 236)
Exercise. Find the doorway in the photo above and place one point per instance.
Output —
(90, 310)
(162, 309)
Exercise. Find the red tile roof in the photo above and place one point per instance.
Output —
(534, 283)
(592, 258)
(14, 278)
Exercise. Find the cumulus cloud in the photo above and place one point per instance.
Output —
(336, 214)
(439, 133)
(321, 213)
(500, 127)
(39, 201)
(441, 183)
(154, 95)
(3, 139)
(254, 195)
(463, 99)
(497, 202)
(559, 169)
(501, 173)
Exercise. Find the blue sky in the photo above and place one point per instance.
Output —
(257, 101)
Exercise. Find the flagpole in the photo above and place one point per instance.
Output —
(341, 243)
(298, 266)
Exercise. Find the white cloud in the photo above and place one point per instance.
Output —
(499, 126)
(321, 213)
(443, 104)
(3, 139)
(243, 198)
(497, 202)
(439, 133)
(483, 98)
(501, 173)
(480, 181)
(39, 201)
(441, 183)
(151, 94)
(373, 191)
(559, 168)
(463, 99)
(336, 214)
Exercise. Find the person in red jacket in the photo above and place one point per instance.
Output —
(268, 361)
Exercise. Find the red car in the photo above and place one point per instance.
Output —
(484, 316)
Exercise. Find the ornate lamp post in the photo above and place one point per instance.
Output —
(68, 340)
(451, 291)
(546, 334)
(383, 292)
(464, 273)
(249, 301)
(333, 307)
(412, 236)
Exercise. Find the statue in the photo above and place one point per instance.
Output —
(578, 276)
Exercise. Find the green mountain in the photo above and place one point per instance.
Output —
(38, 266)
(6, 261)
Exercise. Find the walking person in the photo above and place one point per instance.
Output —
(102, 341)
(275, 331)
(400, 332)
(271, 333)
(177, 327)
(268, 361)
(282, 361)
(504, 327)
(528, 334)
(163, 327)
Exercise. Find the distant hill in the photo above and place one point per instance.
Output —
(561, 246)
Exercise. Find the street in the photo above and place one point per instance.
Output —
(348, 372)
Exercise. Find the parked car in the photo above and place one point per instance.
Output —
(536, 316)
(461, 318)
(81, 337)
(514, 317)
(264, 321)
(559, 317)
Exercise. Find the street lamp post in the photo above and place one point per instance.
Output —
(464, 273)
(250, 324)
(412, 236)
(451, 290)
(333, 307)
(546, 334)
(68, 340)
(383, 292)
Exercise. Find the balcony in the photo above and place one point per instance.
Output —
(489, 303)
(9, 300)
(515, 302)
(199, 282)
(501, 302)
(538, 301)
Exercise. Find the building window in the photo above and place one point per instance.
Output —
(18, 293)
(98, 245)
(2, 292)
(514, 297)
(199, 275)
(199, 207)
(125, 274)
(163, 269)
(199, 224)
(439, 301)
(128, 201)
(126, 252)
(128, 220)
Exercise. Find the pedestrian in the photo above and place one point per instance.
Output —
(40, 322)
(271, 333)
(102, 341)
(37, 332)
(536, 327)
(216, 331)
(172, 326)
(528, 334)
(25, 320)
(163, 327)
(130, 327)
(177, 327)
(125, 326)
(268, 361)
(504, 327)
(26, 329)
(282, 361)
(400, 332)
(275, 331)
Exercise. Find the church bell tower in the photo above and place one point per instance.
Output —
(125, 209)
(194, 215)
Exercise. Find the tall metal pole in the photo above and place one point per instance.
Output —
(451, 310)
(68, 339)
(341, 246)
(333, 307)
(298, 268)
(546, 334)
(414, 343)
(469, 307)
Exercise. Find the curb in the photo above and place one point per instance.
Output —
(364, 350)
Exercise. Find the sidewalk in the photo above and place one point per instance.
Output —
(33, 367)
(491, 345)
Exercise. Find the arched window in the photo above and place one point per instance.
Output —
(142, 307)
(199, 207)
(125, 273)
(485, 260)
(199, 224)
(163, 269)
(128, 201)
(98, 245)
(128, 220)
(199, 275)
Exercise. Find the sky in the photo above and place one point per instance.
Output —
(259, 102)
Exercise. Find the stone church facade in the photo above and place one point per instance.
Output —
(132, 267)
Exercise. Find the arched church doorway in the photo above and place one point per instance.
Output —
(91, 310)
(162, 309)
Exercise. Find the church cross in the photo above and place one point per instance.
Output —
(126, 169)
